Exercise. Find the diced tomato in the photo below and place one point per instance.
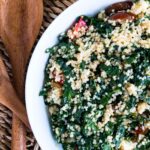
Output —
(78, 30)
(81, 23)
(61, 76)
(140, 130)
(62, 80)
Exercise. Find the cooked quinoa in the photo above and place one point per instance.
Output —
(97, 81)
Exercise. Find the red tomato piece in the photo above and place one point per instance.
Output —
(140, 130)
(61, 76)
(81, 23)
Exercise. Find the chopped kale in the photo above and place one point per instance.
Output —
(91, 105)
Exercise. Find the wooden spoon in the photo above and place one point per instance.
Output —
(20, 24)
(8, 96)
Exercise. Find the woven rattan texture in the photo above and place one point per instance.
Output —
(52, 8)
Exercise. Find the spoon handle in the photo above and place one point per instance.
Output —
(11, 99)
(19, 140)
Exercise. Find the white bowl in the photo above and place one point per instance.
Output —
(36, 108)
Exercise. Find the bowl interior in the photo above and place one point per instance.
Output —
(37, 112)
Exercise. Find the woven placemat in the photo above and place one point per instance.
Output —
(52, 8)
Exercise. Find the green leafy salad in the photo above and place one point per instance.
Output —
(97, 80)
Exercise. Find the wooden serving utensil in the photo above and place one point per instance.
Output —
(8, 96)
(20, 24)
